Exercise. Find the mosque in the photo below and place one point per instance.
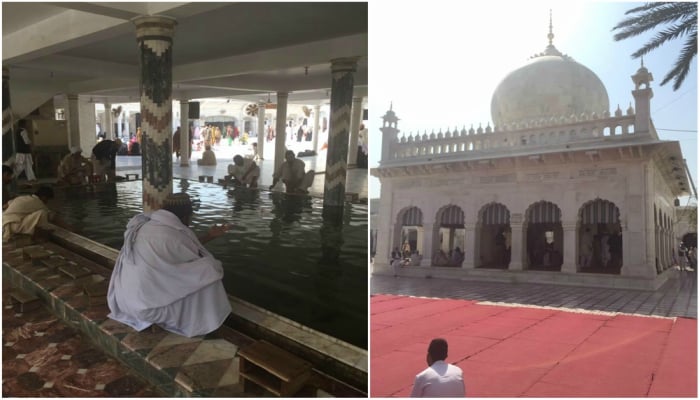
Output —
(559, 190)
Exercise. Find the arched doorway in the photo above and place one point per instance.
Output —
(493, 236)
(408, 237)
(600, 237)
(544, 237)
(451, 233)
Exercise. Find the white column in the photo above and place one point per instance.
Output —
(355, 122)
(73, 118)
(109, 123)
(184, 133)
(262, 135)
(469, 246)
(516, 246)
(106, 120)
(317, 126)
(126, 123)
(428, 234)
(281, 131)
(570, 248)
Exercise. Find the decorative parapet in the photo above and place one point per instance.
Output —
(553, 132)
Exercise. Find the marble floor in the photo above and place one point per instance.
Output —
(44, 351)
(43, 357)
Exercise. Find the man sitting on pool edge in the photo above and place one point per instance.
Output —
(244, 171)
(291, 172)
(165, 276)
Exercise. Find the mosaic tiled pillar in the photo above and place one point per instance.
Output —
(184, 133)
(7, 132)
(154, 35)
(281, 128)
(343, 70)
(355, 122)
(262, 135)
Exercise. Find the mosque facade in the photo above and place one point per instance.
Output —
(559, 190)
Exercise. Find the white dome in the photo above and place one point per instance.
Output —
(549, 85)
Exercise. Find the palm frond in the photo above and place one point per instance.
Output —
(664, 13)
(682, 66)
(683, 20)
(666, 35)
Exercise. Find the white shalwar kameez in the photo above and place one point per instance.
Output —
(164, 276)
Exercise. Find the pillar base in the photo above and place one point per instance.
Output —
(569, 268)
(515, 266)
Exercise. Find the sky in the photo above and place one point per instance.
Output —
(440, 64)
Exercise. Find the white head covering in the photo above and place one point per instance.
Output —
(76, 149)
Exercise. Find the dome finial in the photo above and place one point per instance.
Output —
(550, 36)
(642, 61)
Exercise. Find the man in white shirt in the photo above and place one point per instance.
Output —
(244, 171)
(291, 172)
(440, 379)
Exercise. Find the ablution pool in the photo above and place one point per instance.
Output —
(272, 256)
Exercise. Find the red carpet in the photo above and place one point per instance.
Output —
(532, 352)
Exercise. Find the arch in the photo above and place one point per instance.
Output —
(492, 246)
(544, 237)
(600, 237)
(606, 131)
(618, 130)
(450, 233)
(408, 230)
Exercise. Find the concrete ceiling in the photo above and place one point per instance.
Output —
(239, 50)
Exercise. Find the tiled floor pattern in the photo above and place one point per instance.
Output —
(677, 297)
(43, 357)
(176, 365)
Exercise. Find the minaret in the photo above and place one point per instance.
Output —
(642, 100)
(389, 132)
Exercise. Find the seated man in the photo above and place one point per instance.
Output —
(244, 171)
(208, 156)
(291, 172)
(165, 276)
(26, 213)
(74, 169)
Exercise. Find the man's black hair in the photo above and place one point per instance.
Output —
(438, 349)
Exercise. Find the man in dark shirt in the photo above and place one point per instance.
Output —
(104, 156)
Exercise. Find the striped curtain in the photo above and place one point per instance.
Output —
(600, 212)
(452, 215)
(544, 212)
(412, 217)
(496, 214)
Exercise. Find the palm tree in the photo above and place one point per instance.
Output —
(684, 20)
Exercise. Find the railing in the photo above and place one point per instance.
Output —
(585, 128)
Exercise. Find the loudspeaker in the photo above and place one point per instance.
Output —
(365, 114)
(193, 110)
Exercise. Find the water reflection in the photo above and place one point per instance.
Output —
(281, 254)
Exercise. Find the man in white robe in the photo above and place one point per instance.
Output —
(24, 214)
(165, 276)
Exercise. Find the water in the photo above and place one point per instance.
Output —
(272, 257)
